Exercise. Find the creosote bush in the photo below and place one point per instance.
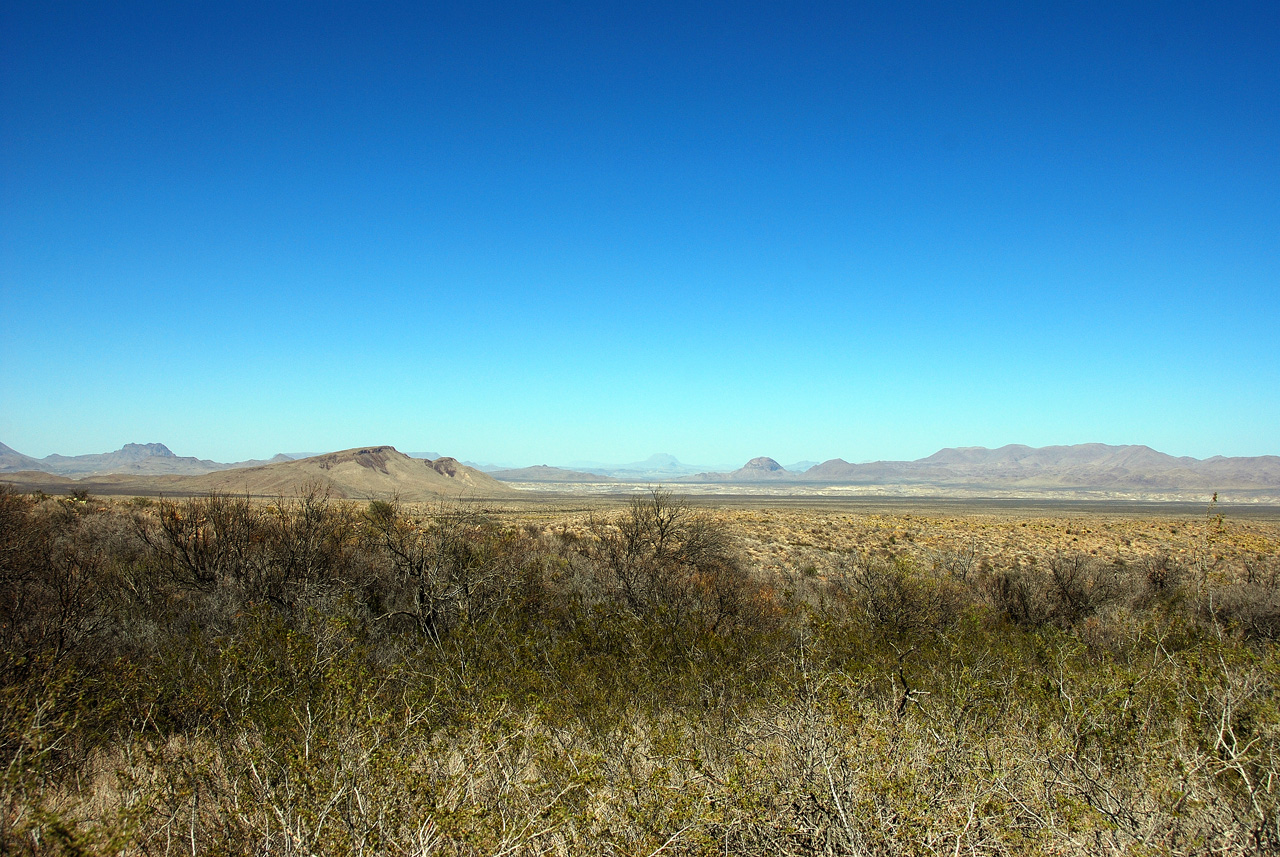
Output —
(223, 676)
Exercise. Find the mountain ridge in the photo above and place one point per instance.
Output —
(384, 470)
(1091, 465)
(1077, 466)
(359, 473)
(142, 459)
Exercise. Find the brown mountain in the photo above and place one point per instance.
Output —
(361, 473)
(375, 472)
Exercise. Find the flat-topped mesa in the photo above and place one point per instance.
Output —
(145, 450)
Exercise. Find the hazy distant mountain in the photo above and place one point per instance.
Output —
(1088, 465)
(543, 473)
(657, 467)
(658, 461)
(489, 466)
(1091, 466)
(140, 459)
(151, 459)
(800, 466)
(12, 461)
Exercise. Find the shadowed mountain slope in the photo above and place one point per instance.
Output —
(12, 461)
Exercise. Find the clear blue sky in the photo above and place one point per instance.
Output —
(544, 232)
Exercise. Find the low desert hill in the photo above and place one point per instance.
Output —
(361, 473)
(364, 473)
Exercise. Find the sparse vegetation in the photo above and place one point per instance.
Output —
(221, 676)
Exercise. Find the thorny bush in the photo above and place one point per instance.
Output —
(220, 675)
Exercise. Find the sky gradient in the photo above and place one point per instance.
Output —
(546, 232)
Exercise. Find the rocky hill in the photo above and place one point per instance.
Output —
(360, 473)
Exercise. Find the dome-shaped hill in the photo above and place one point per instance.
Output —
(760, 469)
(763, 464)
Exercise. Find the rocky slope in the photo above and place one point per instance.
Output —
(360, 473)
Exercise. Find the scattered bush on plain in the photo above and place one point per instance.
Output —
(223, 676)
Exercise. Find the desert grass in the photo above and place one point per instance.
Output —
(311, 677)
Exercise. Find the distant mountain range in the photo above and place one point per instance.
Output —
(543, 473)
(382, 470)
(1082, 466)
(658, 467)
(360, 473)
(143, 459)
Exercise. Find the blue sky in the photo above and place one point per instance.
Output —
(545, 232)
